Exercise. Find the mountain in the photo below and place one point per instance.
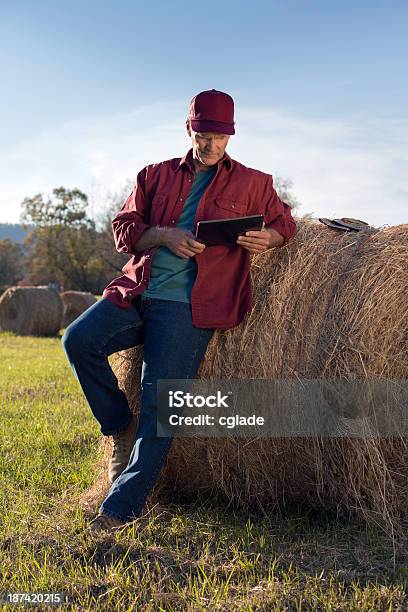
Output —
(13, 231)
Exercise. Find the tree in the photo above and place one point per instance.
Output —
(113, 260)
(66, 209)
(11, 263)
(283, 188)
(63, 245)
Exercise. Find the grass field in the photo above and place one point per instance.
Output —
(191, 556)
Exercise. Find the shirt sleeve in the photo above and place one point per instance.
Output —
(129, 224)
(277, 214)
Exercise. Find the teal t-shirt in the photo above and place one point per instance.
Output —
(172, 277)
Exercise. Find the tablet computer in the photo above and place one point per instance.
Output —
(226, 231)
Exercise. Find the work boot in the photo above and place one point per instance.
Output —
(122, 445)
(104, 523)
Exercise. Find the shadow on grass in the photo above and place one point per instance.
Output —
(179, 537)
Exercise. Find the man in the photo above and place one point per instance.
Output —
(174, 291)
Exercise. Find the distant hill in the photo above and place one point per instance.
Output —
(13, 231)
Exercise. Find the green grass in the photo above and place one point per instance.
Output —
(191, 556)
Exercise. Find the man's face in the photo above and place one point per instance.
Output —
(208, 147)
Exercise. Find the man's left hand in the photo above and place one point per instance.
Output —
(260, 241)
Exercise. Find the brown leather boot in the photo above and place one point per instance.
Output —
(103, 523)
(122, 445)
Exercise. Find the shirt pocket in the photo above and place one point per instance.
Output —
(229, 207)
(157, 208)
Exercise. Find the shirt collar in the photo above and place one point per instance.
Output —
(187, 160)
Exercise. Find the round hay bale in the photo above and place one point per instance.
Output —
(328, 305)
(31, 311)
(75, 303)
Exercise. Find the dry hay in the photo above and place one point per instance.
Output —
(75, 303)
(35, 311)
(327, 305)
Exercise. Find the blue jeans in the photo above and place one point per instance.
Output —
(173, 348)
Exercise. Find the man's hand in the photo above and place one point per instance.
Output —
(260, 241)
(182, 242)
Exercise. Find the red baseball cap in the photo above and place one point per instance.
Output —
(212, 111)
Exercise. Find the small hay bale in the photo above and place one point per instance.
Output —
(328, 305)
(75, 303)
(31, 311)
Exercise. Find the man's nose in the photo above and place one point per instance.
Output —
(211, 145)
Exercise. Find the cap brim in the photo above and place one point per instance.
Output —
(333, 224)
(212, 126)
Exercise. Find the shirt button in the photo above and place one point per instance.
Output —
(181, 199)
(172, 220)
(233, 205)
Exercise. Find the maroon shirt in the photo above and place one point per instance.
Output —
(222, 291)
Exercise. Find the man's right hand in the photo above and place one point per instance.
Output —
(182, 242)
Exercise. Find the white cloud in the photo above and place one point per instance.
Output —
(354, 169)
(340, 168)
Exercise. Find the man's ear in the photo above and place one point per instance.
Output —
(188, 127)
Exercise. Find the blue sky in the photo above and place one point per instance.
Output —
(93, 91)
